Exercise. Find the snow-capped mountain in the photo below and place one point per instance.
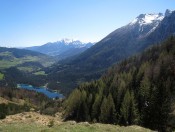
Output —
(63, 48)
(145, 19)
(130, 39)
(140, 27)
(165, 29)
(146, 23)
(75, 43)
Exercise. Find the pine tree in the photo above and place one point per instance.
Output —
(112, 115)
(108, 112)
(134, 114)
(72, 104)
(129, 111)
(96, 108)
(104, 111)
(124, 110)
(82, 113)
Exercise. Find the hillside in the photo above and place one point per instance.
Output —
(11, 57)
(139, 90)
(14, 100)
(31, 121)
(144, 31)
(30, 111)
(22, 66)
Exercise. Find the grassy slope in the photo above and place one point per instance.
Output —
(17, 61)
(69, 127)
(1, 76)
(35, 122)
(40, 73)
(5, 101)
(10, 57)
(23, 66)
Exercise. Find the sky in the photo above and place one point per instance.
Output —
(26, 23)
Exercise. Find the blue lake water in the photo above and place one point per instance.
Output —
(48, 92)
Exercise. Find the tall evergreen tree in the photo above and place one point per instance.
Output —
(104, 111)
(96, 108)
(129, 111)
(112, 111)
(125, 107)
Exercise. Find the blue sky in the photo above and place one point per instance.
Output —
(35, 22)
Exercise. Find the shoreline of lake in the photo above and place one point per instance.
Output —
(46, 91)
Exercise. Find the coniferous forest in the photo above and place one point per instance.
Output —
(139, 90)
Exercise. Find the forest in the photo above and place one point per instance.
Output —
(139, 90)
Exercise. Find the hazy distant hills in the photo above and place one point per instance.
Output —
(62, 49)
(143, 31)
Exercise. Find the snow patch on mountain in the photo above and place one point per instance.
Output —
(144, 19)
(146, 23)
(73, 42)
(64, 48)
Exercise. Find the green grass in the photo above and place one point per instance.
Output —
(6, 53)
(26, 69)
(14, 62)
(1, 76)
(10, 60)
(69, 127)
(40, 73)
(7, 64)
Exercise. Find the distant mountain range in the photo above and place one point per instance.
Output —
(62, 49)
(131, 39)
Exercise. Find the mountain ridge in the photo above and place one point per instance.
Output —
(62, 49)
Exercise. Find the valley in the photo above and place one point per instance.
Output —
(124, 82)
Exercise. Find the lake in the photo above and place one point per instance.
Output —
(48, 92)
